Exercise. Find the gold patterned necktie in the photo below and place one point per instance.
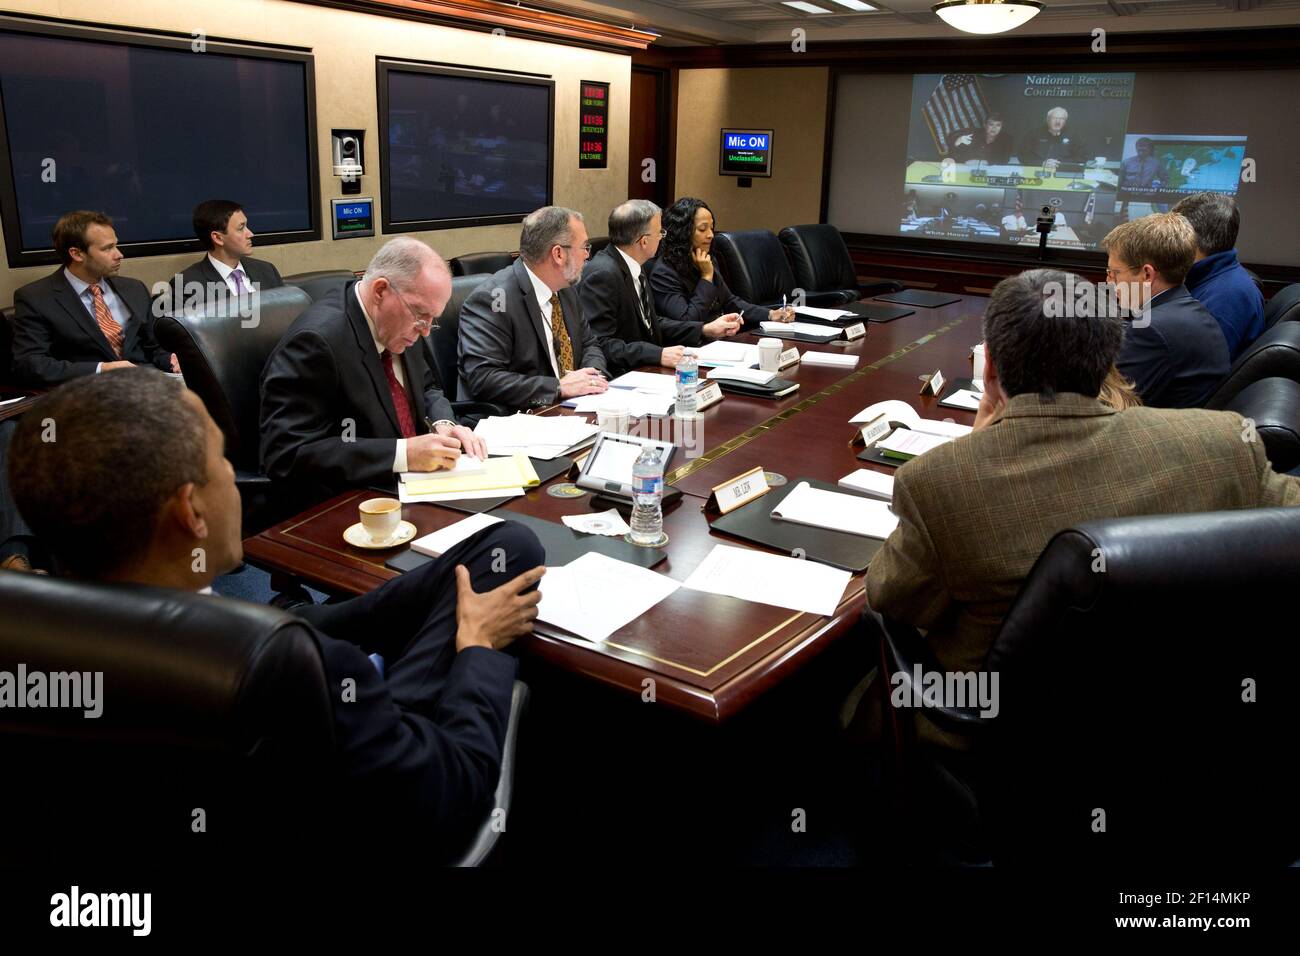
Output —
(563, 347)
(104, 319)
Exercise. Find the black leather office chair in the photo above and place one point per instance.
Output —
(754, 266)
(7, 345)
(473, 263)
(442, 352)
(1283, 307)
(1143, 686)
(1273, 404)
(206, 703)
(823, 267)
(222, 356)
(598, 243)
(1275, 354)
(317, 285)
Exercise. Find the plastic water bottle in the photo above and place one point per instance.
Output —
(647, 497)
(688, 378)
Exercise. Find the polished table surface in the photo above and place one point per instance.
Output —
(707, 654)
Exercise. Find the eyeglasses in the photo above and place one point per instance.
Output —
(663, 234)
(1112, 274)
(423, 322)
(585, 245)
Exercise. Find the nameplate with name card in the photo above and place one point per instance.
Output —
(872, 431)
(734, 492)
(934, 384)
(707, 395)
(789, 357)
(855, 331)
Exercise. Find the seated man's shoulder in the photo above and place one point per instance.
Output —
(38, 288)
(1151, 424)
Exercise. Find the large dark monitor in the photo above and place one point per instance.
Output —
(145, 127)
(462, 147)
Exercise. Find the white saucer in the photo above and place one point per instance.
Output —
(357, 537)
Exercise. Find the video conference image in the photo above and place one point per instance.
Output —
(986, 152)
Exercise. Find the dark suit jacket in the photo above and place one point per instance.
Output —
(1039, 145)
(703, 302)
(503, 354)
(57, 339)
(610, 306)
(324, 371)
(1179, 356)
(263, 274)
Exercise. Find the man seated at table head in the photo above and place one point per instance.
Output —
(1216, 279)
(619, 306)
(975, 513)
(84, 317)
(1174, 350)
(138, 482)
(348, 398)
(1052, 144)
(227, 269)
(524, 341)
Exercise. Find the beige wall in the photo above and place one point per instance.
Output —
(790, 102)
(345, 46)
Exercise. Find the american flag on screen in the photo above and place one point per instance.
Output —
(955, 105)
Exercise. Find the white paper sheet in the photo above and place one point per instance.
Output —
(837, 511)
(538, 436)
(870, 482)
(443, 540)
(663, 384)
(728, 353)
(754, 376)
(827, 314)
(903, 413)
(798, 328)
(638, 403)
(830, 358)
(910, 442)
(595, 595)
(963, 398)
(433, 498)
(770, 579)
(609, 523)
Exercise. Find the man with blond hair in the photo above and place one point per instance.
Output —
(1174, 350)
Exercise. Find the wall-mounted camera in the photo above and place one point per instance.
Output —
(348, 150)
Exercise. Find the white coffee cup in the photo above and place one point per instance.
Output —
(380, 517)
(613, 417)
(769, 354)
(977, 367)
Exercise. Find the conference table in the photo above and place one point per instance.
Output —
(705, 654)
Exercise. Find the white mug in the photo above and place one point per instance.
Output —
(380, 517)
(977, 367)
(769, 354)
(613, 418)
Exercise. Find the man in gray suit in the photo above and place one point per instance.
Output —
(523, 341)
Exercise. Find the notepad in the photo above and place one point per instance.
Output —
(465, 465)
(869, 482)
(515, 471)
(906, 444)
(770, 579)
(963, 398)
(727, 353)
(901, 413)
(829, 315)
(799, 328)
(811, 506)
(843, 359)
(444, 539)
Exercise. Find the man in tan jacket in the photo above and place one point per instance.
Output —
(975, 513)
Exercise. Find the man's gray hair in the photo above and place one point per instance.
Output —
(401, 260)
(1215, 219)
(544, 228)
(630, 221)
(1059, 109)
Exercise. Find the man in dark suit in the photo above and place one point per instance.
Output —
(523, 340)
(346, 401)
(84, 317)
(1051, 144)
(1174, 350)
(226, 270)
(145, 464)
(619, 306)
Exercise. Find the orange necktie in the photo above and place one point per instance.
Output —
(107, 324)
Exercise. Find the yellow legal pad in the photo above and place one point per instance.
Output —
(515, 471)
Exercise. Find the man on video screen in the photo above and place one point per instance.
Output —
(1051, 144)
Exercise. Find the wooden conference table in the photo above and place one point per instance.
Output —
(709, 655)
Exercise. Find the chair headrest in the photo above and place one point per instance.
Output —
(473, 263)
(754, 265)
(1275, 354)
(819, 257)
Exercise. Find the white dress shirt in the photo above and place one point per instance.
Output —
(399, 458)
(544, 293)
(634, 267)
(226, 272)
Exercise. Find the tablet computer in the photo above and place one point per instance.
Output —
(608, 467)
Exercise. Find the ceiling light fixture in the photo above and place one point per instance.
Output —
(805, 7)
(855, 5)
(987, 16)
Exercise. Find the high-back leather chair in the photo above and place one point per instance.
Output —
(598, 243)
(442, 350)
(1283, 307)
(317, 285)
(1143, 704)
(222, 355)
(1273, 404)
(207, 704)
(473, 263)
(754, 266)
(823, 268)
(1275, 354)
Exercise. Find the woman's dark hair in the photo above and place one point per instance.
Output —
(679, 222)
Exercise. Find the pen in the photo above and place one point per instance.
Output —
(782, 301)
(428, 423)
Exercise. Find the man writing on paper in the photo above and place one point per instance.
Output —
(418, 747)
(524, 342)
(974, 514)
(346, 400)
(619, 306)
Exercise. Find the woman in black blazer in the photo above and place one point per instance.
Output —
(685, 279)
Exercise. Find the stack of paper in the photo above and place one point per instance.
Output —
(830, 358)
(839, 512)
(869, 482)
(798, 328)
(443, 540)
(727, 353)
(963, 398)
(595, 595)
(537, 436)
(499, 475)
(770, 579)
(652, 382)
(751, 376)
(901, 413)
(906, 443)
(829, 315)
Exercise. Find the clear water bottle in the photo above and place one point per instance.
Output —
(688, 378)
(647, 498)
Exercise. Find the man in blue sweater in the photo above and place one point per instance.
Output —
(1217, 280)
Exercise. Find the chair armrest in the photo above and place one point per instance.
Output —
(244, 478)
(488, 834)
